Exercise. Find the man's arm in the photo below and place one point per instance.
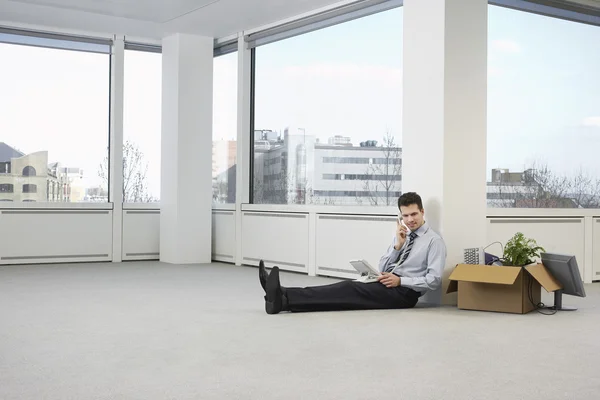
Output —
(436, 260)
(391, 256)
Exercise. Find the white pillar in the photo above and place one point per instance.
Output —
(444, 118)
(186, 154)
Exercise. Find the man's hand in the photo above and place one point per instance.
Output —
(401, 232)
(389, 280)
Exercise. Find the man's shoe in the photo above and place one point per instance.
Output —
(263, 275)
(274, 295)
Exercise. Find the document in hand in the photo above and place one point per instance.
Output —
(367, 271)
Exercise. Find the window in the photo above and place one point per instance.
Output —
(224, 152)
(6, 188)
(142, 126)
(359, 177)
(29, 171)
(329, 103)
(543, 112)
(29, 188)
(55, 115)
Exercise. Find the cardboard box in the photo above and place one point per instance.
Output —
(501, 289)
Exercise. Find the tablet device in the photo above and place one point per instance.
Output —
(364, 268)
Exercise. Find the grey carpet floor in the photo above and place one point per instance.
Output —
(154, 331)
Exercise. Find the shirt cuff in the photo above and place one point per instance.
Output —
(406, 281)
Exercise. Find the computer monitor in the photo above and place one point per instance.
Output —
(564, 268)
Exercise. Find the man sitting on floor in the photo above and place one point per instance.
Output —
(412, 265)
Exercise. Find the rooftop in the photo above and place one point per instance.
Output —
(7, 152)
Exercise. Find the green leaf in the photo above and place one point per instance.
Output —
(520, 251)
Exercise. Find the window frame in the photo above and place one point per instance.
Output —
(59, 41)
(286, 30)
(556, 9)
(147, 48)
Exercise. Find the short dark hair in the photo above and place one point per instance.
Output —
(410, 198)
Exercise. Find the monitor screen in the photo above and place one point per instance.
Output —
(564, 268)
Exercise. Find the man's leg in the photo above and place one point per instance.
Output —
(349, 295)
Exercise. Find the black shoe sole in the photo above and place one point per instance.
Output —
(263, 275)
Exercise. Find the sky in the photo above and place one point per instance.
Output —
(543, 87)
(58, 101)
(142, 110)
(543, 93)
(55, 101)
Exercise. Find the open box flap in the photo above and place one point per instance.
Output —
(544, 278)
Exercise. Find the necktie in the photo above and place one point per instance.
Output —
(406, 252)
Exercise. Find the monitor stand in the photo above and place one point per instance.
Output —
(558, 305)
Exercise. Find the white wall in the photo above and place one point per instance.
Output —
(141, 235)
(43, 236)
(278, 238)
(321, 240)
(223, 235)
(555, 235)
(341, 238)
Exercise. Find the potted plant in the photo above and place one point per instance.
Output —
(520, 251)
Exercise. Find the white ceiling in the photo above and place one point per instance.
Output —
(154, 18)
(152, 11)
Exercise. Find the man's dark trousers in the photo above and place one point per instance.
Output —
(350, 295)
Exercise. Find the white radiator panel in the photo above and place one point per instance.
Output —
(341, 238)
(223, 235)
(278, 238)
(141, 235)
(596, 250)
(52, 236)
(555, 235)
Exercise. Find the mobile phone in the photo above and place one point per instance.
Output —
(407, 228)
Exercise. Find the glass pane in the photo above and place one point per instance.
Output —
(543, 112)
(54, 116)
(224, 160)
(328, 115)
(142, 127)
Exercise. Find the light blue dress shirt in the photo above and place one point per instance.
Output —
(422, 270)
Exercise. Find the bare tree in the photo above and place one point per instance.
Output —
(585, 190)
(135, 169)
(277, 189)
(385, 176)
(272, 190)
(308, 196)
(258, 190)
(220, 190)
(313, 198)
(540, 187)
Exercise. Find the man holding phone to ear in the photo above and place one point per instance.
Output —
(412, 265)
(416, 257)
